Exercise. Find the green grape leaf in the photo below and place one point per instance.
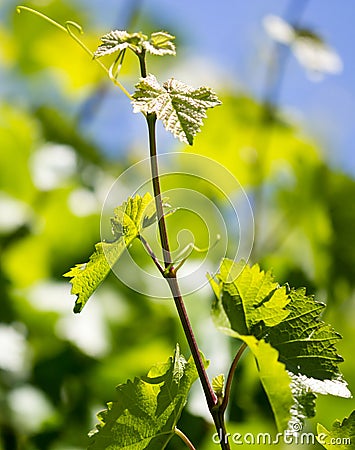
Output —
(247, 296)
(274, 378)
(306, 344)
(118, 40)
(129, 220)
(160, 43)
(133, 216)
(340, 437)
(180, 107)
(86, 277)
(147, 409)
(249, 301)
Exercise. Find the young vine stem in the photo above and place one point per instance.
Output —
(170, 276)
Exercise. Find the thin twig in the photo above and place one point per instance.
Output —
(151, 254)
(196, 354)
(151, 122)
(227, 390)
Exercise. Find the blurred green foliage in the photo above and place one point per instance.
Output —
(56, 369)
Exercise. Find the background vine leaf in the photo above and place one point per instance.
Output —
(129, 220)
(340, 437)
(147, 409)
(181, 108)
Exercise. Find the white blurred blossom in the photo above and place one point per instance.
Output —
(52, 165)
(30, 407)
(13, 213)
(312, 52)
(14, 353)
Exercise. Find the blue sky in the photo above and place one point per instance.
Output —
(230, 35)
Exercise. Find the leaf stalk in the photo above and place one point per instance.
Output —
(230, 377)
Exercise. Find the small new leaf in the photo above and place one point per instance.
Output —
(180, 107)
(160, 44)
(340, 437)
(118, 40)
(129, 220)
(147, 409)
(218, 385)
(132, 216)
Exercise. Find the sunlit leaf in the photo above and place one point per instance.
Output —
(118, 40)
(129, 220)
(305, 343)
(247, 297)
(274, 379)
(340, 437)
(160, 43)
(147, 409)
(249, 301)
(180, 107)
